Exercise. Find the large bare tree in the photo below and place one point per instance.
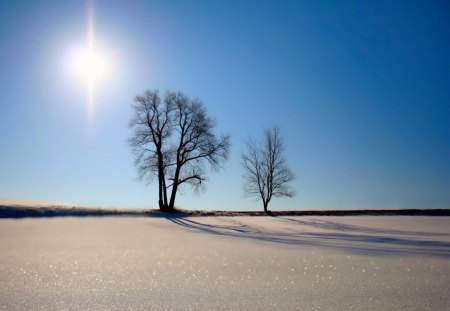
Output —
(266, 173)
(174, 141)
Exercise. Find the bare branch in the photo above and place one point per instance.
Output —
(174, 140)
(265, 171)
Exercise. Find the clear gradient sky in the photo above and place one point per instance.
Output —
(361, 90)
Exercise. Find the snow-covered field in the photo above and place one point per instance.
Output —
(225, 263)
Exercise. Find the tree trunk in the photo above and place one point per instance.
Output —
(265, 206)
(160, 194)
(171, 207)
(164, 188)
(162, 200)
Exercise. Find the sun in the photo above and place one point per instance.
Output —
(91, 65)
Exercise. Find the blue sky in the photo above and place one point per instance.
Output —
(361, 92)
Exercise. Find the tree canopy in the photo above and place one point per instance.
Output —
(266, 173)
(174, 141)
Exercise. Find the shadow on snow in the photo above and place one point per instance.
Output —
(351, 238)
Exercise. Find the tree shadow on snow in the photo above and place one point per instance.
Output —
(350, 238)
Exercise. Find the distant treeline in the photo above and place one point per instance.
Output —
(15, 211)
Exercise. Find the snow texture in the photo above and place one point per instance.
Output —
(225, 263)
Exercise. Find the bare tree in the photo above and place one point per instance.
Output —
(266, 173)
(173, 140)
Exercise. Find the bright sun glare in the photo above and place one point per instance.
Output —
(90, 64)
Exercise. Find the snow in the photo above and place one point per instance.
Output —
(225, 263)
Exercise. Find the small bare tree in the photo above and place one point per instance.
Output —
(266, 173)
(173, 140)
